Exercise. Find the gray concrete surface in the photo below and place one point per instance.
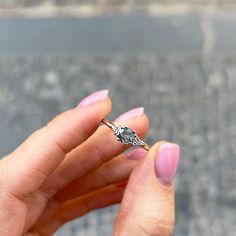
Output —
(30, 3)
(189, 102)
(187, 86)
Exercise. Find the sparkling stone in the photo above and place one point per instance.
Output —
(126, 135)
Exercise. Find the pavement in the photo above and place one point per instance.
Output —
(181, 66)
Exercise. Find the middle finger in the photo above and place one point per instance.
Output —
(98, 149)
(113, 171)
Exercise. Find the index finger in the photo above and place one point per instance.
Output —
(44, 150)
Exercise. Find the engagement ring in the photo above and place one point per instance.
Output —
(126, 135)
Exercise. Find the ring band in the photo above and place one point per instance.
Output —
(126, 135)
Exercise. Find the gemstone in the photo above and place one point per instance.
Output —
(126, 135)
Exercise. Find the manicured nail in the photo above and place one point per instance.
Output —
(135, 154)
(167, 162)
(134, 113)
(94, 98)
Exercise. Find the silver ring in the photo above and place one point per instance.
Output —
(126, 135)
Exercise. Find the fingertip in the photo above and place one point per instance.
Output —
(166, 160)
(131, 114)
(135, 154)
(145, 122)
(108, 102)
(148, 203)
(93, 98)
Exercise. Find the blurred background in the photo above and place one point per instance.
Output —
(174, 57)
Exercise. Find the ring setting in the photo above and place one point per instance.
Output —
(126, 135)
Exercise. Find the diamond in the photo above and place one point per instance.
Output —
(125, 134)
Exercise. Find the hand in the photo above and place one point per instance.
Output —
(72, 166)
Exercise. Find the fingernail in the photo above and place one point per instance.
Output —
(135, 154)
(134, 113)
(167, 162)
(94, 98)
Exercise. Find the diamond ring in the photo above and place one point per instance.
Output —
(126, 135)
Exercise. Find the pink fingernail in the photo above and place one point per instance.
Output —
(94, 98)
(135, 154)
(167, 162)
(134, 113)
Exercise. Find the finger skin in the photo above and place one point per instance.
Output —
(101, 147)
(114, 171)
(148, 206)
(84, 160)
(82, 205)
(12, 215)
(24, 171)
(33, 161)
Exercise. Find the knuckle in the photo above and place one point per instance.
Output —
(99, 152)
(49, 130)
(155, 227)
(144, 226)
(65, 138)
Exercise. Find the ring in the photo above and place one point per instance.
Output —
(126, 135)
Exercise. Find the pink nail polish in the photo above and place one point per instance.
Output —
(167, 162)
(93, 98)
(135, 154)
(134, 113)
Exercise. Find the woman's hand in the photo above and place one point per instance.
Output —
(72, 166)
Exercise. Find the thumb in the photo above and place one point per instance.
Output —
(148, 207)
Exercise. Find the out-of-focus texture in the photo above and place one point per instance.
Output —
(178, 61)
